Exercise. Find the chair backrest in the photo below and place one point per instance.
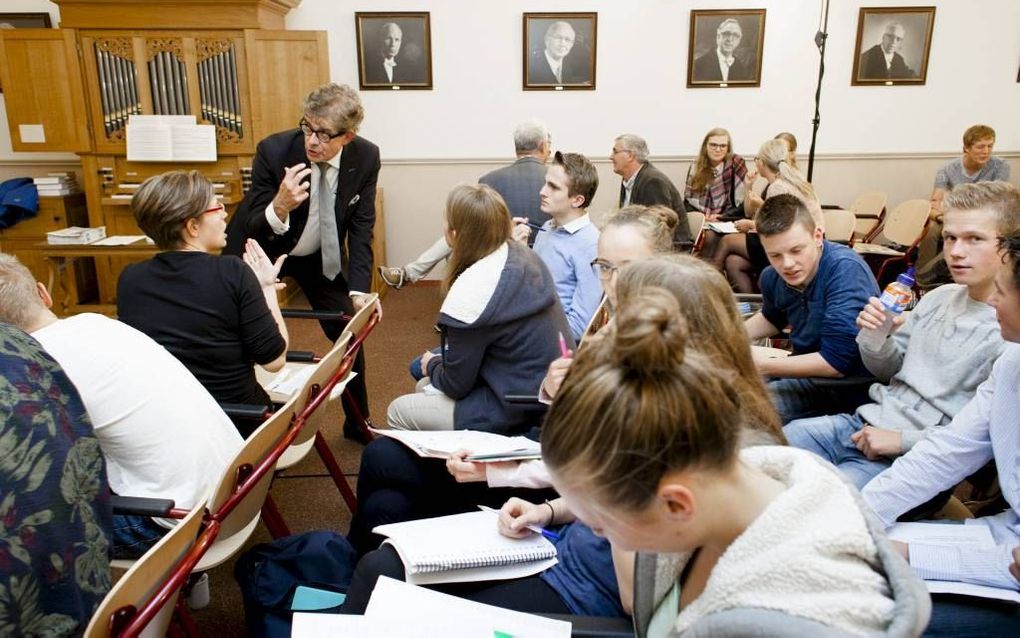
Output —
(906, 223)
(238, 497)
(870, 204)
(329, 371)
(137, 587)
(839, 225)
(361, 319)
(696, 222)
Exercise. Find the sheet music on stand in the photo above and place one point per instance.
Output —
(170, 138)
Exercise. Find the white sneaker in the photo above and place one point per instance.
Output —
(198, 592)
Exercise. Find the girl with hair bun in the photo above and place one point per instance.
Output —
(644, 443)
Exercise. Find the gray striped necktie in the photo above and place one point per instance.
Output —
(329, 237)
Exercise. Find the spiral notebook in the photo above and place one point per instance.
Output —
(465, 548)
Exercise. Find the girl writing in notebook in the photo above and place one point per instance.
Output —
(643, 443)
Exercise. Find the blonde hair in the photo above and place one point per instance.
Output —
(655, 395)
(1001, 198)
(19, 298)
(775, 155)
(655, 223)
(702, 175)
(791, 143)
(481, 220)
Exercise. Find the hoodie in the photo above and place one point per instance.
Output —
(500, 325)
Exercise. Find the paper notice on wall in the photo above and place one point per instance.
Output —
(31, 133)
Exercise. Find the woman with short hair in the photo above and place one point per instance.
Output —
(218, 315)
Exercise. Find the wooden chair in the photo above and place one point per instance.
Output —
(146, 598)
(696, 222)
(839, 225)
(904, 227)
(869, 209)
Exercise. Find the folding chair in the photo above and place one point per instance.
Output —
(359, 326)
(146, 598)
(329, 371)
(696, 222)
(869, 209)
(839, 226)
(904, 227)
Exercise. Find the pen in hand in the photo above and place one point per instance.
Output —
(553, 536)
(564, 351)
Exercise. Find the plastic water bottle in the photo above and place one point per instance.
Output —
(895, 299)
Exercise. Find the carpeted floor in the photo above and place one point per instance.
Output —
(305, 494)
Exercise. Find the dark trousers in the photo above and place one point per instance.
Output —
(396, 485)
(324, 294)
(960, 616)
(530, 594)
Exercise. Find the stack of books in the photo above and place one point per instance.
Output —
(76, 235)
(57, 184)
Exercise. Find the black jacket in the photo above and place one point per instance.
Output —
(653, 188)
(872, 66)
(355, 203)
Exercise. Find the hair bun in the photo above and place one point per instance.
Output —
(650, 334)
(665, 215)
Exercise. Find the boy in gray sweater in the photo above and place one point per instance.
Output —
(934, 358)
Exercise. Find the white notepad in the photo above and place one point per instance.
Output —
(465, 548)
(443, 444)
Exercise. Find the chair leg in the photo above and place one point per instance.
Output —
(274, 521)
(186, 623)
(335, 472)
(363, 423)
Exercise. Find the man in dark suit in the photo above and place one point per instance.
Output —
(648, 186)
(383, 66)
(882, 61)
(554, 64)
(297, 175)
(519, 185)
(725, 63)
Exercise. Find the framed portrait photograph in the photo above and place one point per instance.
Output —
(394, 50)
(892, 45)
(559, 51)
(725, 48)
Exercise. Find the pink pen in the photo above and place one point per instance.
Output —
(563, 347)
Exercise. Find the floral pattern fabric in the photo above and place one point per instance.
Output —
(55, 517)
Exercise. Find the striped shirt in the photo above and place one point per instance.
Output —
(986, 428)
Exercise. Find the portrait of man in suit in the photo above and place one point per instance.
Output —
(559, 52)
(726, 48)
(892, 45)
(394, 50)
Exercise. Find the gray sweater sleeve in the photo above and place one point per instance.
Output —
(888, 358)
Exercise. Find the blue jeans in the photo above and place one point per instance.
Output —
(800, 398)
(135, 535)
(961, 616)
(829, 438)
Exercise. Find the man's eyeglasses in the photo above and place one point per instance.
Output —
(324, 136)
(603, 269)
(730, 34)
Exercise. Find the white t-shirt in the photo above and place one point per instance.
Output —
(161, 432)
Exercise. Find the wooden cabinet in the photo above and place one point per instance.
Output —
(23, 240)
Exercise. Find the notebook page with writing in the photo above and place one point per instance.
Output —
(463, 548)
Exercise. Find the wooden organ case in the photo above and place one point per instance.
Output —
(227, 62)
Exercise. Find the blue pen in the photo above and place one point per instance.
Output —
(553, 536)
(535, 226)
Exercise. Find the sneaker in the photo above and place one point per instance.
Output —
(392, 277)
(198, 592)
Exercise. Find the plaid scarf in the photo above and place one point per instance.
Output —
(716, 198)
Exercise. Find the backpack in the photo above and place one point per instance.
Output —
(269, 574)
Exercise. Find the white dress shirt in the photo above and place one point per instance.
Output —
(724, 65)
(556, 66)
(309, 242)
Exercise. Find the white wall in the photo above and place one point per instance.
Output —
(642, 58)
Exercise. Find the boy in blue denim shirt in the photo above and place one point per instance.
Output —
(816, 287)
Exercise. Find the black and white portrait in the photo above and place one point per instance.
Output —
(893, 45)
(559, 50)
(725, 48)
(394, 50)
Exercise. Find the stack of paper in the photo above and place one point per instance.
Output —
(976, 536)
(723, 228)
(56, 184)
(400, 609)
(76, 235)
(483, 446)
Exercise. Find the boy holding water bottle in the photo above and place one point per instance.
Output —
(933, 358)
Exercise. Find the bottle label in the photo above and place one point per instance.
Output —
(896, 299)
